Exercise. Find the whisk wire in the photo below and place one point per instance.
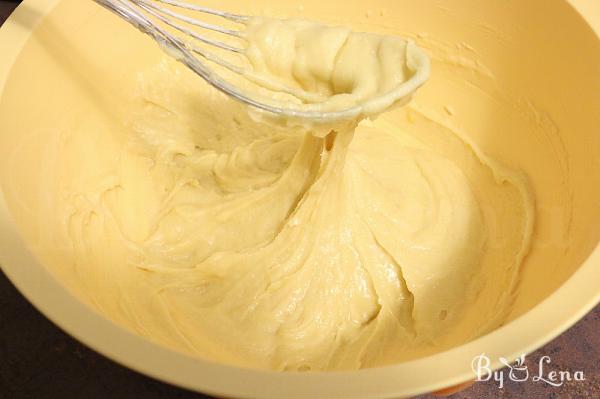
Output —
(156, 12)
(206, 10)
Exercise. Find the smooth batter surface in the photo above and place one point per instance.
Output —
(269, 246)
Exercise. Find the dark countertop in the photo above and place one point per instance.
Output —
(40, 361)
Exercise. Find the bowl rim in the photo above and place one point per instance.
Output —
(569, 303)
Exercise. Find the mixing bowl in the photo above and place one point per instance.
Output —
(539, 58)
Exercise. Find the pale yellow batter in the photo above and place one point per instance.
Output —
(332, 68)
(268, 246)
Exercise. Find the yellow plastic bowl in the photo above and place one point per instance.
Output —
(546, 52)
